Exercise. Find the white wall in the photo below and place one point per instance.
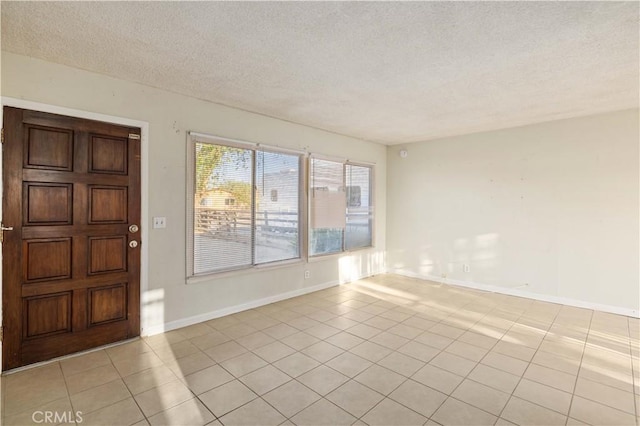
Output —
(549, 209)
(169, 116)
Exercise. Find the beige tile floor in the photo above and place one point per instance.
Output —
(387, 350)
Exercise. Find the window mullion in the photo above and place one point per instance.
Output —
(346, 208)
(254, 190)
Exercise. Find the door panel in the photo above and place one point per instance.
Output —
(108, 155)
(46, 259)
(107, 254)
(108, 204)
(107, 304)
(47, 203)
(47, 148)
(70, 279)
(45, 315)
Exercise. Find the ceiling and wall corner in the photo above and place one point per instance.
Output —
(390, 72)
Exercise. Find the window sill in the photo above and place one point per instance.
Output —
(196, 279)
(323, 257)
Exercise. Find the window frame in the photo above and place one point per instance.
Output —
(345, 162)
(195, 137)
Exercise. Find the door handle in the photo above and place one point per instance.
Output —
(133, 229)
(2, 229)
(133, 244)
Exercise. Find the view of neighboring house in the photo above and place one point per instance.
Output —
(220, 199)
(277, 193)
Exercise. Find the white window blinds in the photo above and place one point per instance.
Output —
(244, 206)
(359, 228)
(328, 204)
(277, 233)
(223, 200)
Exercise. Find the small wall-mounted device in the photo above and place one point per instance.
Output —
(403, 153)
(159, 222)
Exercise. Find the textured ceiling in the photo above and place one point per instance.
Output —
(391, 72)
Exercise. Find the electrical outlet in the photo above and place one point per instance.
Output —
(307, 275)
(466, 268)
(159, 222)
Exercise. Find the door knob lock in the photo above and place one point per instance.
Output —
(133, 229)
(133, 244)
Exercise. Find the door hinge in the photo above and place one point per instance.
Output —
(2, 135)
(1, 334)
(133, 136)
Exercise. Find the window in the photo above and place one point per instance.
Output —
(277, 217)
(358, 232)
(235, 220)
(341, 208)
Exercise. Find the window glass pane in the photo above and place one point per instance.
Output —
(222, 208)
(277, 207)
(328, 207)
(358, 232)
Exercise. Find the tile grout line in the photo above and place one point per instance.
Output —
(144, 415)
(511, 396)
(292, 378)
(351, 379)
(368, 340)
(272, 364)
(410, 377)
(119, 378)
(66, 388)
(477, 363)
(345, 351)
(216, 418)
(514, 322)
(450, 395)
(607, 385)
(579, 367)
(633, 375)
(441, 350)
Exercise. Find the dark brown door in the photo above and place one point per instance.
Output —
(71, 264)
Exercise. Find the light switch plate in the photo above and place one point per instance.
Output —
(159, 222)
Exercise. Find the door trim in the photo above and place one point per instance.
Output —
(144, 184)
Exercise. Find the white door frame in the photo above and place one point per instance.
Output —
(144, 181)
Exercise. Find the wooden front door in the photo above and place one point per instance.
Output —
(71, 264)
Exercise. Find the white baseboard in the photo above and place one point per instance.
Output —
(184, 322)
(521, 293)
